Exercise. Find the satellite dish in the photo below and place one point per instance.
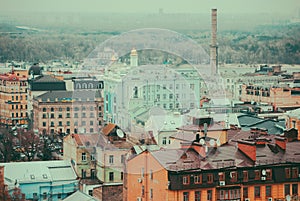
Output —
(120, 133)
(202, 141)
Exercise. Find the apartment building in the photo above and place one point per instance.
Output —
(13, 98)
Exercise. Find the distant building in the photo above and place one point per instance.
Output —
(68, 112)
(87, 84)
(41, 180)
(78, 195)
(283, 98)
(13, 98)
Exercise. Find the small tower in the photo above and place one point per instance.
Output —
(133, 58)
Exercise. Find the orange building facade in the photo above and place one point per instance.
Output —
(242, 172)
(279, 97)
(13, 98)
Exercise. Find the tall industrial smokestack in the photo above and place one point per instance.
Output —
(213, 45)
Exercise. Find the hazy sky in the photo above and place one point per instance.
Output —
(169, 6)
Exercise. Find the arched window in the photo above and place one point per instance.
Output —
(91, 86)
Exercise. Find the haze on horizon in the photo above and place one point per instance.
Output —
(287, 7)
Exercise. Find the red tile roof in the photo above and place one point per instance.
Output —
(108, 128)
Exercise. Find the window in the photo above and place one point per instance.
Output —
(60, 109)
(83, 123)
(12, 107)
(122, 159)
(52, 124)
(93, 157)
(269, 174)
(93, 173)
(209, 178)
(83, 156)
(75, 115)
(245, 176)
(151, 174)
(83, 173)
(143, 191)
(294, 124)
(192, 86)
(287, 173)
(151, 193)
(91, 108)
(68, 109)
(60, 123)
(91, 130)
(185, 196)
(198, 179)
(164, 140)
(170, 96)
(83, 115)
(76, 123)
(186, 180)
(209, 195)
(221, 176)
(111, 159)
(90, 192)
(142, 172)
(91, 123)
(12, 115)
(58, 195)
(268, 191)
(245, 192)
(111, 176)
(122, 175)
(60, 115)
(233, 176)
(197, 196)
(92, 115)
(294, 189)
(52, 109)
(295, 172)
(52, 116)
(257, 174)
(257, 191)
(68, 115)
(76, 108)
(286, 189)
(17, 107)
(68, 123)
(44, 109)
(44, 116)
(44, 195)
(83, 108)
(44, 124)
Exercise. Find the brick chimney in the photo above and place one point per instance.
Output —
(248, 148)
(281, 142)
(199, 148)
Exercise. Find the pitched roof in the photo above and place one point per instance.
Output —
(248, 120)
(78, 195)
(46, 78)
(70, 95)
(108, 128)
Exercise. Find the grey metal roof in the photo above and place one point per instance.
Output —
(70, 95)
(47, 78)
(38, 171)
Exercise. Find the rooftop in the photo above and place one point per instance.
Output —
(69, 96)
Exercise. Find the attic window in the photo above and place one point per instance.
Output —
(32, 176)
(45, 176)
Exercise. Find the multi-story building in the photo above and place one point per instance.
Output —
(68, 112)
(98, 156)
(244, 169)
(13, 98)
(281, 97)
(167, 87)
(41, 180)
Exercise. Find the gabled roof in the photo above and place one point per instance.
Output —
(78, 195)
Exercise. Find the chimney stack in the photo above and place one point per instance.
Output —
(213, 45)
